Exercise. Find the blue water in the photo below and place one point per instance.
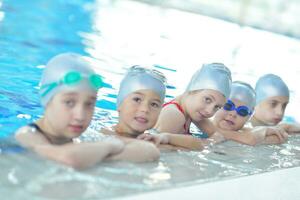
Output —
(118, 34)
(33, 31)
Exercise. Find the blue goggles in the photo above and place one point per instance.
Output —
(241, 110)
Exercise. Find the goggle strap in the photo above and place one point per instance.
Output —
(95, 81)
(50, 87)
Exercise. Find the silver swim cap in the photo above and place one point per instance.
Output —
(244, 92)
(270, 85)
(215, 76)
(62, 71)
(140, 78)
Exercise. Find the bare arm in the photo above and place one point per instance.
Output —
(207, 126)
(244, 137)
(79, 156)
(290, 128)
(186, 141)
(215, 133)
(137, 151)
(170, 120)
(254, 136)
(176, 140)
(28, 137)
(272, 139)
(257, 135)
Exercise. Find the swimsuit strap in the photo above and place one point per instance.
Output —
(176, 104)
(38, 128)
(34, 125)
(179, 107)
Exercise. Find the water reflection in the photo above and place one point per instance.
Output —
(183, 41)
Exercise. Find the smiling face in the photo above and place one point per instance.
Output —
(139, 112)
(271, 110)
(203, 104)
(69, 113)
(231, 120)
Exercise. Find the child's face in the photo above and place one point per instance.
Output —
(271, 110)
(69, 113)
(231, 120)
(204, 104)
(139, 111)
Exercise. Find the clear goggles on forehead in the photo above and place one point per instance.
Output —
(241, 110)
(73, 78)
(155, 73)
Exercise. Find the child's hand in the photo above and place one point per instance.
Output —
(261, 133)
(162, 138)
(293, 128)
(279, 132)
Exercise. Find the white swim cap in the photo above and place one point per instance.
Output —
(270, 85)
(140, 78)
(244, 92)
(215, 76)
(62, 71)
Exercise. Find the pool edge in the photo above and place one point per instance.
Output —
(279, 184)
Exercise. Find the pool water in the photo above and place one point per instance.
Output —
(118, 34)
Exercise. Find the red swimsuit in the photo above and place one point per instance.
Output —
(186, 130)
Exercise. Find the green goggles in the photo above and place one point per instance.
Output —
(73, 78)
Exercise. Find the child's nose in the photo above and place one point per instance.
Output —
(279, 111)
(144, 107)
(210, 111)
(79, 113)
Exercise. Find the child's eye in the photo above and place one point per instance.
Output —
(217, 107)
(273, 104)
(207, 100)
(137, 99)
(69, 103)
(155, 105)
(90, 104)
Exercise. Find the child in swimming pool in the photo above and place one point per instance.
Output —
(140, 98)
(237, 111)
(272, 97)
(206, 93)
(68, 92)
(230, 120)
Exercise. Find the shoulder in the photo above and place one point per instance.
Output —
(172, 113)
(25, 130)
(29, 136)
(171, 106)
(170, 120)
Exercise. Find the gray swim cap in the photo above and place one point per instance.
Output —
(270, 85)
(244, 92)
(55, 71)
(215, 76)
(140, 78)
